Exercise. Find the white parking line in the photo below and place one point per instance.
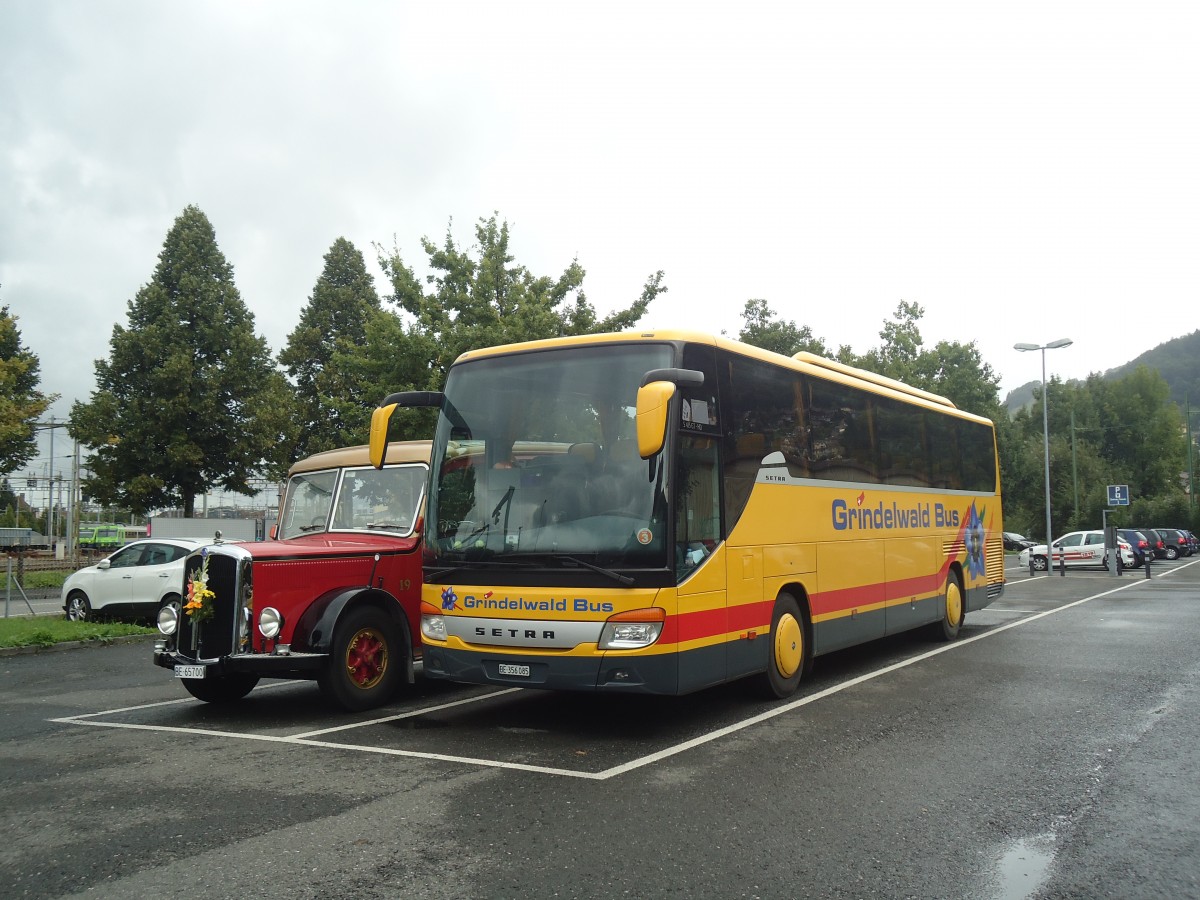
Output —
(306, 739)
(408, 715)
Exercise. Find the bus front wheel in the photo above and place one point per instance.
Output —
(789, 655)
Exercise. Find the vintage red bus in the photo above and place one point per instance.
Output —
(333, 596)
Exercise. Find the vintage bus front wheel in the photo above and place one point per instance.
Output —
(789, 654)
(366, 660)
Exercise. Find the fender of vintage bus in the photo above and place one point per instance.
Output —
(314, 630)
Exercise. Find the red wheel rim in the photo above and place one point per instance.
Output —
(366, 658)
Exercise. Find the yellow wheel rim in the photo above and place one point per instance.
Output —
(954, 604)
(789, 646)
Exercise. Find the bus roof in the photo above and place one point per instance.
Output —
(344, 457)
(803, 362)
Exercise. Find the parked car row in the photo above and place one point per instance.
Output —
(1172, 542)
(1157, 543)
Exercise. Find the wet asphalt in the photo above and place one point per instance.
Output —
(1050, 752)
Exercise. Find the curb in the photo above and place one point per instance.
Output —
(75, 645)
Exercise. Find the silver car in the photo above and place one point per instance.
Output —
(134, 582)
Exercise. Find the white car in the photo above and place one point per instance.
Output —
(136, 581)
(1079, 548)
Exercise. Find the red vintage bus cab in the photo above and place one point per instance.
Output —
(333, 596)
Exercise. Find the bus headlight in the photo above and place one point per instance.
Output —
(633, 630)
(433, 623)
(168, 619)
(270, 623)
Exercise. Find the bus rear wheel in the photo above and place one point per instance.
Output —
(789, 655)
(953, 610)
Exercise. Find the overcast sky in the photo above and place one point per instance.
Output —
(1023, 171)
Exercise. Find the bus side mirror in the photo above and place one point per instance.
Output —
(377, 446)
(379, 433)
(653, 401)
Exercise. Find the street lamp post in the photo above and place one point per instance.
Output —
(1053, 345)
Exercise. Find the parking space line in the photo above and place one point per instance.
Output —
(306, 739)
(177, 700)
(407, 715)
(330, 745)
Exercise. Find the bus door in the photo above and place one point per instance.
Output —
(700, 559)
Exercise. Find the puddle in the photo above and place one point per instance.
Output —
(1023, 868)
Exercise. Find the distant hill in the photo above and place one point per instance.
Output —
(1177, 360)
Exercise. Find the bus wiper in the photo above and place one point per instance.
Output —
(615, 576)
(490, 562)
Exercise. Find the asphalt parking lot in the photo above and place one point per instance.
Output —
(1024, 759)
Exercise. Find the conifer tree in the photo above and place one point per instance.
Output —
(189, 399)
(342, 301)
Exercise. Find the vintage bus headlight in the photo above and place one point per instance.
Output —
(168, 619)
(270, 623)
(433, 623)
(633, 630)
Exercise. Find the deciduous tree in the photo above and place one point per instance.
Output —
(474, 297)
(762, 328)
(21, 403)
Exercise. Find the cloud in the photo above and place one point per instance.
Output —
(1024, 172)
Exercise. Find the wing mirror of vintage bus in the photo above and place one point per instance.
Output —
(653, 402)
(383, 415)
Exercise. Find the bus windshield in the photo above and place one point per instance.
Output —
(536, 457)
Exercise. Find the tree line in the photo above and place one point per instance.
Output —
(190, 398)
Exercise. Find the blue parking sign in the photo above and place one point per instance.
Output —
(1118, 495)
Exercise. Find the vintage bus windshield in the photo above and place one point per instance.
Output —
(536, 457)
(353, 499)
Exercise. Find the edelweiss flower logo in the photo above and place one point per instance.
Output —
(449, 598)
(975, 539)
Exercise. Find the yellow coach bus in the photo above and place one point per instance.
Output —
(661, 512)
